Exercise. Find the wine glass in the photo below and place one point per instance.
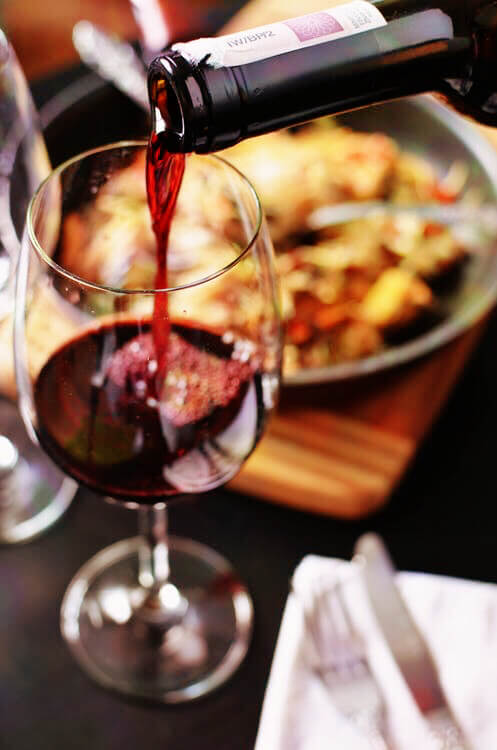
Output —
(166, 619)
(33, 492)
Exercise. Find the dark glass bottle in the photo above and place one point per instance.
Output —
(211, 93)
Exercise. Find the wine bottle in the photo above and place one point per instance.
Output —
(209, 94)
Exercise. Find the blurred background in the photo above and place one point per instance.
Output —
(41, 32)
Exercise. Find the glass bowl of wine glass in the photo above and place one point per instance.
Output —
(134, 395)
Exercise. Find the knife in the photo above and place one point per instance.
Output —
(113, 60)
(407, 644)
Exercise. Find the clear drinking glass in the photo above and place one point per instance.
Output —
(33, 492)
(157, 617)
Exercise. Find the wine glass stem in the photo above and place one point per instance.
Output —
(154, 552)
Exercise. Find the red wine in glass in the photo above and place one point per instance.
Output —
(126, 431)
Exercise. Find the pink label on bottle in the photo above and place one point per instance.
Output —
(244, 47)
(314, 26)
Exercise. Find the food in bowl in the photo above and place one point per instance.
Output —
(347, 291)
(350, 289)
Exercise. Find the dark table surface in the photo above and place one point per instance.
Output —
(442, 519)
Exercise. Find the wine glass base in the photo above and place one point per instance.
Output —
(190, 644)
(35, 494)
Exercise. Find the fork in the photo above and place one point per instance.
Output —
(341, 662)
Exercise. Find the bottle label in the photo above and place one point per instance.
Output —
(274, 39)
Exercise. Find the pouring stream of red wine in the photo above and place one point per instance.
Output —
(164, 174)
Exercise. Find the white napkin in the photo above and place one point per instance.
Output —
(459, 621)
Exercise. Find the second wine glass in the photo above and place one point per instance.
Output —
(161, 618)
(33, 492)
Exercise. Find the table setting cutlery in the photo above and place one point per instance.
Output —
(368, 657)
(342, 663)
(406, 643)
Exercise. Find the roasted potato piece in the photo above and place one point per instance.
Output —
(395, 299)
(437, 253)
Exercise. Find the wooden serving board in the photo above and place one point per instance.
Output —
(342, 449)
